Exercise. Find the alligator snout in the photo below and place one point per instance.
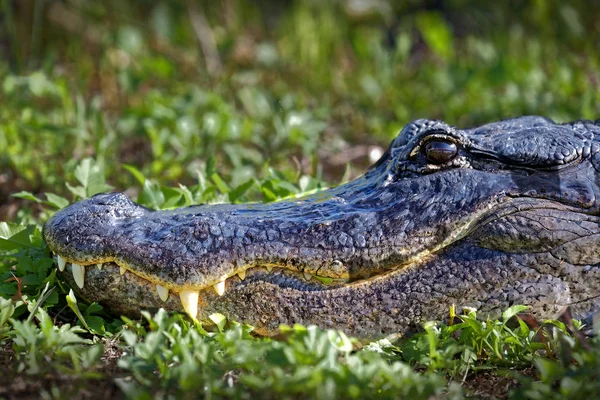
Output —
(80, 231)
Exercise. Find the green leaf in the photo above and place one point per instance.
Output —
(91, 176)
(239, 191)
(78, 191)
(57, 201)
(172, 197)
(7, 309)
(137, 174)
(27, 196)
(268, 193)
(288, 188)
(220, 183)
(559, 324)
(14, 236)
(72, 302)
(46, 293)
(305, 181)
(524, 328)
(255, 103)
(340, 341)
(549, 369)
(129, 337)
(219, 320)
(152, 196)
(83, 171)
(512, 311)
(187, 195)
(96, 324)
(9, 229)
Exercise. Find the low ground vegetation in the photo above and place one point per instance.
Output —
(58, 347)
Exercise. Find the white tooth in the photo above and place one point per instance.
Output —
(99, 266)
(242, 274)
(307, 276)
(269, 268)
(220, 288)
(122, 270)
(61, 263)
(78, 274)
(163, 292)
(189, 300)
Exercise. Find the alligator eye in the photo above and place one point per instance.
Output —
(439, 151)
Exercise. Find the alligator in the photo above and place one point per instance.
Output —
(487, 217)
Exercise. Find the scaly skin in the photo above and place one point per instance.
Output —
(506, 213)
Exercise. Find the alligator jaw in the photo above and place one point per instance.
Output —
(93, 283)
(191, 300)
(188, 295)
(123, 294)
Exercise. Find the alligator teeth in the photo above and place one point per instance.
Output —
(242, 274)
(269, 268)
(99, 266)
(220, 288)
(307, 276)
(122, 270)
(78, 274)
(61, 263)
(163, 292)
(189, 301)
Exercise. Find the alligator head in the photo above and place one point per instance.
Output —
(506, 213)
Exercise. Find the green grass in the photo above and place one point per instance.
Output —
(117, 95)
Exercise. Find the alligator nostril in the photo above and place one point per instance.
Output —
(112, 205)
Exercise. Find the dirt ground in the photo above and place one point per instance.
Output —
(15, 385)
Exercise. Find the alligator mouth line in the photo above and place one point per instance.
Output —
(189, 296)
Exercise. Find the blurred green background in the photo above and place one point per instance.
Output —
(236, 90)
